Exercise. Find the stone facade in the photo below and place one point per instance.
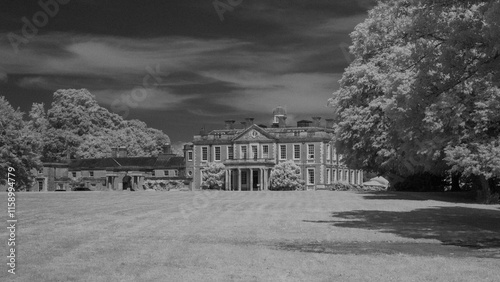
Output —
(250, 152)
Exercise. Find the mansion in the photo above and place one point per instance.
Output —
(251, 151)
(248, 151)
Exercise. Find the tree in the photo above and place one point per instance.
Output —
(17, 146)
(286, 176)
(422, 94)
(213, 175)
(76, 126)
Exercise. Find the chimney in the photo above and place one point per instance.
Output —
(329, 123)
(244, 123)
(167, 149)
(229, 124)
(316, 121)
(122, 152)
(114, 152)
(249, 121)
(203, 131)
(281, 121)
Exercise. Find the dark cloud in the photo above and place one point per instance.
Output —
(263, 54)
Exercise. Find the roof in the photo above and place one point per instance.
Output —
(160, 162)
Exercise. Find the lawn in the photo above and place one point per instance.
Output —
(252, 236)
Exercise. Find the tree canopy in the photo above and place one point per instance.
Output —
(422, 93)
(18, 146)
(75, 125)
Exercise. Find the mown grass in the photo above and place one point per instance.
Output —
(253, 236)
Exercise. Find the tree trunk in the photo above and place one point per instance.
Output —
(455, 182)
(484, 195)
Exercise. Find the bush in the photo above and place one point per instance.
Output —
(162, 185)
(345, 186)
(286, 176)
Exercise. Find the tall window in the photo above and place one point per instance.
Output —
(328, 176)
(204, 153)
(217, 153)
(190, 155)
(254, 152)
(282, 152)
(166, 172)
(91, 173)
(230, 152)
(73, 174)
(310, 176)
(296, 151)
(353, 180)
(310, 151)
(328, 152)
(334, 172)
(265, 151)
(244, 152)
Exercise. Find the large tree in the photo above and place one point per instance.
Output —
(422, 94)
(17, 146)
(76, 126)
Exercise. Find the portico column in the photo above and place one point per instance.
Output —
(265, 179)
(239, 179)
(251, 179)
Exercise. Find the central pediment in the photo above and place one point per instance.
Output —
(254, 133)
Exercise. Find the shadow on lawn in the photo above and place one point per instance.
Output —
(452, 197)
(457, 226)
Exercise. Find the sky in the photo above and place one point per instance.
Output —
(180, 65)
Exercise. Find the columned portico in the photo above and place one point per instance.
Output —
(247, 179)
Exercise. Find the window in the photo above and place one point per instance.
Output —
(328, 152)
(40, 185)
(166, 172)
(204, 153)
(176, 172)
(334, 172)
(310, 151)
(282, 152)
(153, 173)
(230, 152)
(91, 173)
(296, 133)
(265, 151)
(328, 176)
(310, 176)
(244, 152)
(73, 174)
(353, 180)
(190, 155)
(190, 173)
(217, 153)
(345, 175)
(254, 152)
(296, 151)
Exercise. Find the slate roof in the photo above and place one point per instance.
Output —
(160, 162)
